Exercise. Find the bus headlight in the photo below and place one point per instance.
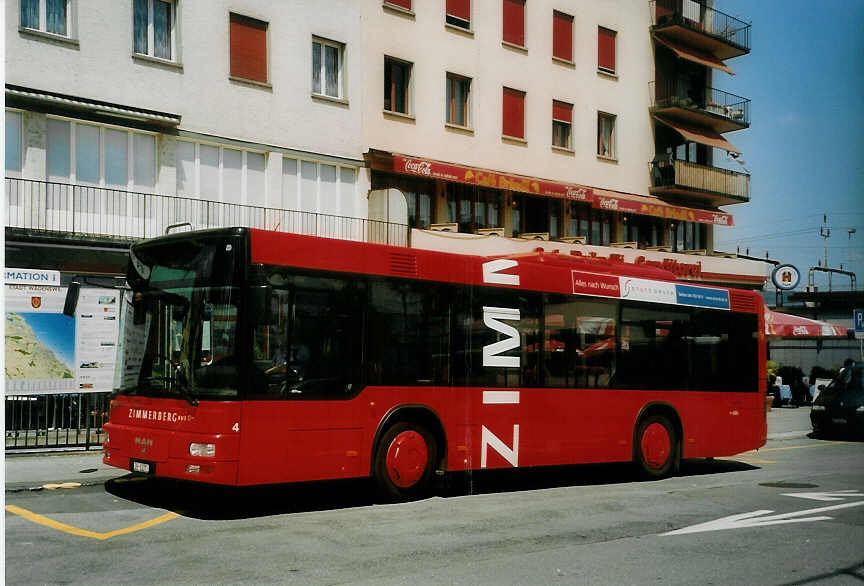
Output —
(205, 450)
(818, 408)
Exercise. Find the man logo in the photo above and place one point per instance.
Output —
(36, 302)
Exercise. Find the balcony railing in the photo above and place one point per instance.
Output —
(712, 107)
(719, 186)
(100, 211)
(724, 35)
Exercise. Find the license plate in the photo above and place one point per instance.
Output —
(142, 467)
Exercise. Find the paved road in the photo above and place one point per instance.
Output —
(584, 525)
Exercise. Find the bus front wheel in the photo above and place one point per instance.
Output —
(404, 462)
(656, 451)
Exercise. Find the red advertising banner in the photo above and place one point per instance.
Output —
(569, 191)
(436, 170)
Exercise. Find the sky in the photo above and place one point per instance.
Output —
(57, 332)
(805, 145)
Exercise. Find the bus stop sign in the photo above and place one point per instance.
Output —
(858, 320)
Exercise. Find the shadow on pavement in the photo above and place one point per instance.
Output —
(211, 502)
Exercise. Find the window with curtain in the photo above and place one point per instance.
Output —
(13, 142)
(319, 187)
(397, 84)
(458, 92)
(49, 16)
(103, 155)
(606, 135)
(218, 173)
(327, 68)
(562, 118)
(153, 28)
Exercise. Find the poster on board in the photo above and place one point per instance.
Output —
(48, 352)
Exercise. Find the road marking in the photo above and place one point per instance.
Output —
(756, 519)
(751, 460)
(43, 520)
(783, 449)
(837, 495)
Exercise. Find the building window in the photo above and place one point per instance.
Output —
(458, 103)
(473, 208)
(687, 236)
(606, 49)
(327, 58)
(13, 142)
(216, 173)
(513, 113)
(606, 135)
(562, 118)
(154, 28)
(418, 193)
(397, 85)
(49, 16)
(594, 225)
(100, 155)
(513, 19)
(562, 36)
(314, 186)
(248, 48)
(406, 4)
(459, 13)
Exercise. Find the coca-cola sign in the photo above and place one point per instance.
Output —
(418, 167)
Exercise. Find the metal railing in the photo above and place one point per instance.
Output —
(102, 211)
(672, 173)
(51, 422)
(681, 93)
(697, 16)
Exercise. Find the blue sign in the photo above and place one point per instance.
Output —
(858, 320)
(702, 297)
(786, 277)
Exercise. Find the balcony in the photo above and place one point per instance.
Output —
(713, 185)
(111, 213)
(701, 27)
(720, 111)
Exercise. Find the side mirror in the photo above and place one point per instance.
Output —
(71, 302)
(258, 305)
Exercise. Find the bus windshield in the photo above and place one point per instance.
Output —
(181, 338)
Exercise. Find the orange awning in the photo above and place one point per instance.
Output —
(695, 55)
(701, 135)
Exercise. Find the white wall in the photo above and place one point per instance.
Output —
(435, 49)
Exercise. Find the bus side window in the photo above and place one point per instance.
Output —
(269, 348)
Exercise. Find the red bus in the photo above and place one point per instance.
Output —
(252, 357)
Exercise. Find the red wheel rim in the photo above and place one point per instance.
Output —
(656, 445)
(407, 457)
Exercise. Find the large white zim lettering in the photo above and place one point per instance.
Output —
(491, 317)
(489, 439)
(491, 272)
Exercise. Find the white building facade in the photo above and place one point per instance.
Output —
(511, 117)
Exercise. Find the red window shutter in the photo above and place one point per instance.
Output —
(605, 49)
(459, 9)
(562, 111)
(513, 115)
(248, 48)
(406, 4)
(562, 36)
(514, 21)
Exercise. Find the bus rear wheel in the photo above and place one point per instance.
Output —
(404, 462)
(656, 451)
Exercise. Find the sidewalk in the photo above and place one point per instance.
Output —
(34, 471)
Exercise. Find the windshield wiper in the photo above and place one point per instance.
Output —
(183, 386)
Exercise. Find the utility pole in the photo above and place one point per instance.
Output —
(825, 233)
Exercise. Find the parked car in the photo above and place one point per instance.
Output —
(840, 406)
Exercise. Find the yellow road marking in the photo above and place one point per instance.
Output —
(43, 520)
(754, 461)
(783, 449)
